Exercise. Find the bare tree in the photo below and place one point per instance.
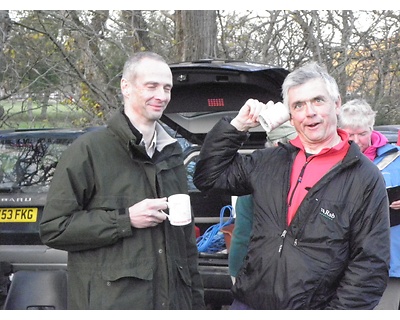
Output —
(78, 55)
(5, 28)
(196, 34)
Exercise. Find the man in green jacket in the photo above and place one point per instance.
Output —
(105, 205)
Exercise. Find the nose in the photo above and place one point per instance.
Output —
(310, 109)
(355, 138)
(162, 94)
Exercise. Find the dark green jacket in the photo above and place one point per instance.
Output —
(241, 233)
(112, 265)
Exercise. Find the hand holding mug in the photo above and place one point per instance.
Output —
(273, 115)
(179, 209)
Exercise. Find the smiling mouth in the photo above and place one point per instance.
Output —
(158, 108)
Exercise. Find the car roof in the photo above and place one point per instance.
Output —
(53, 133)
(204, 91)
(391, 131)
(238, 65)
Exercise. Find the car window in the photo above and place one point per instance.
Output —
(28, 164)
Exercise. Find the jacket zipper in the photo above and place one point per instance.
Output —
(283, 236)
(299, 179)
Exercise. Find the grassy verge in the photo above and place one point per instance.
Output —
(18, 115)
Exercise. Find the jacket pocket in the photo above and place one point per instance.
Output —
(181, 294)
(142, 271)
(123, 288)
(183, 272)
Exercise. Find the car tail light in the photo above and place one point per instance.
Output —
(218, 102)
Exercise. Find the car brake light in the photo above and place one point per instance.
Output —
(219, 102)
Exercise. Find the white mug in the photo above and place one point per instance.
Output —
(179, 209)
(273, 115)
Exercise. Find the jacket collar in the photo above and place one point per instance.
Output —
(387, 148)
(119, 124)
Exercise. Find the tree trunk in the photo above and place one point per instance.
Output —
(5, 28)
(196, 34)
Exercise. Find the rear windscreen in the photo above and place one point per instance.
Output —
(27, 166)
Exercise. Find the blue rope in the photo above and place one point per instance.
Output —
(213, 239)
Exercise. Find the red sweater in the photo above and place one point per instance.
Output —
(308, 171)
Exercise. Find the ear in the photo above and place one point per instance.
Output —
(124, 87)
(338, 105)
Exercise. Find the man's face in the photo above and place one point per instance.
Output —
(313, 114)
(148, 94)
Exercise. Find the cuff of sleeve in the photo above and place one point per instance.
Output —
(124, 223)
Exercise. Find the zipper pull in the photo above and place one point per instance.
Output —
(283, 235)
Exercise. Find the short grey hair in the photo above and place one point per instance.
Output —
(129, 71)
(306, 73)
(356, 113)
